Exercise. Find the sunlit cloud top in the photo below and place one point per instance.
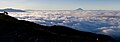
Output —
(61, 4)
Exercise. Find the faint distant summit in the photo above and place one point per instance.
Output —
(12, 10)
(79, 9)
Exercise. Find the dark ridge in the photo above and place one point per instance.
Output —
(13, 30)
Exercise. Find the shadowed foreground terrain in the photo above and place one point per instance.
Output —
(13, 30)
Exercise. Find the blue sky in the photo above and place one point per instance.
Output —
(61, 4)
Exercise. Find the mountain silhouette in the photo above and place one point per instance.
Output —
(79, 9)
(12, 10)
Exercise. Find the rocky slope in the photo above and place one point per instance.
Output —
(13, 30)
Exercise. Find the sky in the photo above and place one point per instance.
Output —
(61, 4)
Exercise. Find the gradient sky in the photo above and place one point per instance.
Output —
(61, 4)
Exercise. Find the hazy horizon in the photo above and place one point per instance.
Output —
(61, 4)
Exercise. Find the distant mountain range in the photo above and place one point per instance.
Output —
(12, 10)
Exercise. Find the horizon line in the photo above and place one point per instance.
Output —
(59, 9)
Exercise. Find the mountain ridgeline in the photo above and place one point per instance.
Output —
(12, 10)
(13, 30)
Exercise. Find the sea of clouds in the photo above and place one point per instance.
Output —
(97, 21)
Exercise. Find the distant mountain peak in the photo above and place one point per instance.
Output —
(79, 9)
